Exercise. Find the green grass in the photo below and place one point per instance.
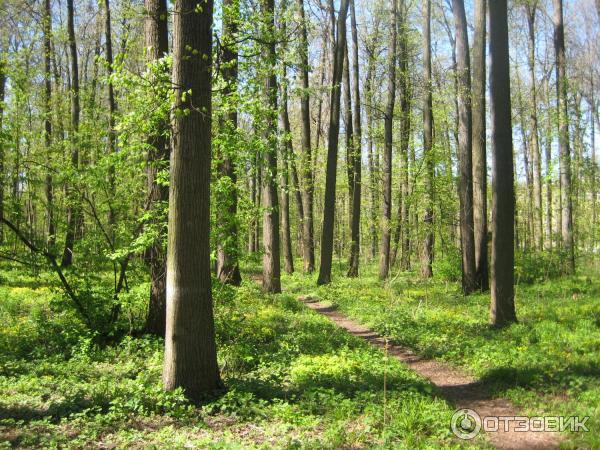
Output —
(294, 381)
(548, 363)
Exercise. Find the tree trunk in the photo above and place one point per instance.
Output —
(190, 350)
(464, 148)
(157, 45)
(347, 97)
(502, 310)
(49, 188)
(271, 256)
(332, 149)
(427, 255)
(548, 172)
(228, 270)
(386, 216)
(479, 149)
(563, 138)
(2, 95)
(74, 213)
(286, 154)
(308, 246)
(112, 108)
(356, 153)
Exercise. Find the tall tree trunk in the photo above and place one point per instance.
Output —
(479, 149)
(74, 213)
(308, 246)
(190, 350)
(286, 154)
(528, 183)
(347, 97)
(332, 148)
(2, 95)
(594, 163)
(356, 153)
(531, 9)
(157, 45)
(548, 171)
(502, 309)
(271, 256)
(427, 254)
(49, 188)
(228, 270)
(464, 147)
(563, 137)
(112, 108)
(386, 215)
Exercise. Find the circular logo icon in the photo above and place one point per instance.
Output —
(465, 424)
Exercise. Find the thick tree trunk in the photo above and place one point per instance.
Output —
(502, 309)
(190, 350)
(332, 149)
(49, 187)
(479, 149)
(308, 246)
(74, 213)
(465, 148)
(531, 9)
(271, 257)
(386, 214)
(427, 254)
(356, 153)
(228, 270)
(157, 45)
(563, 138)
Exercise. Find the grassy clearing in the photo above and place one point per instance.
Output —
(548, 363)
(294, 381)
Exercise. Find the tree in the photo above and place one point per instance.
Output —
(308, 246)
(502, 310)
(2, 94)
(386, 215)
(465, 189)
(74, 215)
(49, 187)
(563, 137)
(332, 148)
(228, 270)
(479, 149)
(112, 108)
(356, 153)
(157, 45)
(190, 349)
(427, 257)
(271, 263)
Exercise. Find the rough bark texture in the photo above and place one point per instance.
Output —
(271, 262)
(386, 213)
(286, 154)
(502, 309)
(74, 214)
(531, 9)
(479, 149)
(49, 188)
(563, 138)
(465, 189)
(157, 46)
(353, 263)
(308, 246)
(190, 351)
(228, 270)
(332, 149)
(427, 255)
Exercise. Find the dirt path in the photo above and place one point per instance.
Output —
(458, 387)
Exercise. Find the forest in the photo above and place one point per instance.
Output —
(299, 224)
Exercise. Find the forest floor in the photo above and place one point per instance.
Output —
(294, 378)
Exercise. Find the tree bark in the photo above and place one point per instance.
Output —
(228, 270)
(332, 149)
(112, 108)
(427, 255)
(308, 246)
(74, 213)
(386, 216)
(157, 45)
(190, 350)
(2, 95)
(563, 138)
(271, 257)
(479, 149)
(502, 310)
(286, 154)
(49, 187)
(465, 147)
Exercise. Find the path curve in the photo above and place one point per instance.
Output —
(461, 389)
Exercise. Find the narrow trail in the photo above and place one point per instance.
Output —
(459, 388)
